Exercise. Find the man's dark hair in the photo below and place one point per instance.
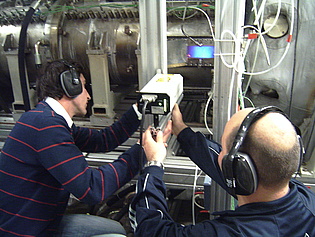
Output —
(49, 83)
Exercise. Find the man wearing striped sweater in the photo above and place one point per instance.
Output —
(41, 162)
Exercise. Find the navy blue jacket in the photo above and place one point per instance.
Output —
(291, 215)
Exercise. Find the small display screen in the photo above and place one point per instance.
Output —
(205, 51)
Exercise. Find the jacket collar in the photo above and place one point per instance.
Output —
(262, 208)
(59, 109)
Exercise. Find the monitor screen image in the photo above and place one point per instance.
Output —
(205, 51)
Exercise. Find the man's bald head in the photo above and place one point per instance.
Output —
(271, 142)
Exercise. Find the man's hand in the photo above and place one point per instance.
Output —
(155, 150)
(177, 118)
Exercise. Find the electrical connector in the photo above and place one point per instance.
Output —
(149, 98)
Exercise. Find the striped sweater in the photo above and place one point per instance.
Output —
(42, 163)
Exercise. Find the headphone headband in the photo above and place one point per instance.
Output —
(66, 63)
(251, 118)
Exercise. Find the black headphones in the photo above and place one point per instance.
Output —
(238, 168)
(70, 81)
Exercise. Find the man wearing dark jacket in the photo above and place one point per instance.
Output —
(41, 162)
(260, 153)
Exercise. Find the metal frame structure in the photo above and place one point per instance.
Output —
(229, 15)
(153, 39)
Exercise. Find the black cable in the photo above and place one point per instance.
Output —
(156, 121)
(121, 213)
(141, 160)
(114, 199)
(21, 58)
(189, 37)
(120, 195)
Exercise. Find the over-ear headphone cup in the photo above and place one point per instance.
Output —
(245, 174)
(238, 169)
(71, 83)
(228, 173)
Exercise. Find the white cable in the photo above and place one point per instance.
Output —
(235, 63)
(205, 111)
(292, 16)
(194, 189)
(196, 176)
(206, 15)
(276, 65)
(259, 27)
(259, 13)
(234, 40)
(251, 74)
(208, 19)
(262, 39)
(264, 45)
(197, 204)
(286, 49)
(212, 33)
